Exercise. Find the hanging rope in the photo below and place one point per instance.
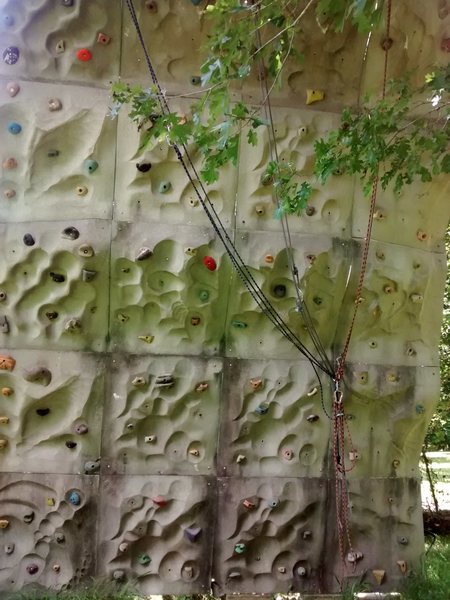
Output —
(245, 274)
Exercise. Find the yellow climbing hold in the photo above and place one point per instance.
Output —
(50, 502)
(4, 420)
(4, 523)
(379, 575)
(314, 96)
(148, 339)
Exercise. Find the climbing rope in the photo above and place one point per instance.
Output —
(245, 274)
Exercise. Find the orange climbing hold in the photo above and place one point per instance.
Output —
(7, 363)
(84, 55)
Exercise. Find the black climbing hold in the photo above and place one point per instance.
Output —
(71, 445)
(29, 517)
(52, 153)
(57, 277)
(71, 233)
(42, 412)
(51, 315)
(317, 300)
(279, 291)
(143, 167)
(11, 55)
(28, 239)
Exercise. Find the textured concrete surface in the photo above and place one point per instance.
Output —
(139, 379)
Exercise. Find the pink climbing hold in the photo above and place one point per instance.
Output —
(210, 263)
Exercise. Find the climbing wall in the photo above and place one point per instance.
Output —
(146, 402)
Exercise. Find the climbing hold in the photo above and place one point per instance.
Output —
(7, 391)
(396, 463)
(416, 298)
(32, 569)
(152, 6)
(234, 575)
(445, 45)
(56, 568)
(421, 235)
(195, 321)
(4, 523)
(164, 187)
(81, 190)
(353, 557)
(266, 179)
(12, 88)
(159, 501)
(262, 409)
(73, 325)
(402, 565)
(88, 275)
(195, 80)
(420, 409)
(42, 412)
(288, 454)
(164, 381)
(317, 300)
(60, 537)
(51, 315)
(4, 420)
(248, 504)
(307, 535)
(29, 517)
(144, 559)
(57, 277)
(123, 547)
(240, 458)
(260, 210)
(193, 202)
(9, 548)
(201, 387)
(392, 377)
(273, 503)
(103, 39)
(410, 351)
(74, 498)
(353, 456)
(9, 163)
(310, 211)
(256, 383)
(14, 128)
(118, 575)
(9, 193)
(301, 571)
(312, 418)
(150, 439)
(71, 445)
(90, 165)
(143, 167)
(379, 575)
(379, 214)
(67, 3)
(192, 533)
(11, 55)
(84, 55)
(191, 251)
(60, 47)
(314, 96)
(81, 429)
(3, 444)
(3, 295)
(210, 263)
(70, 233)
(86, 251)
(54, 104)
(4, 325)
(239, 324)
(91, 466)
(281, 570)
(144, 253)
(40, 375)
(268, 259)
(362, 376)
(194, 452)
(203, 295)
(7, 363)
(386, 43)
(311, 258)
(53, 153)
(28, 239)
(139, 381)
(239, 548)
(403, 541)
(279, 290)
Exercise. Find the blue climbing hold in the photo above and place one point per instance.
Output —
(262, 409)
(90, 165)
(11, 55)
(74, 498)
(14, 128)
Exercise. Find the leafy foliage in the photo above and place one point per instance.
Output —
(432, 580)
(92, 591)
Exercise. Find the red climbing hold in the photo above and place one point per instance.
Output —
(210, 263)
(84, 55)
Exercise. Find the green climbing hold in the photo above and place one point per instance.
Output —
(420, 409)
(203, 295)
(90, 165)
(144, 559)
(239, 548)
(239, 324)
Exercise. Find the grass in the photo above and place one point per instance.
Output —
(92, 591)
(432, 581)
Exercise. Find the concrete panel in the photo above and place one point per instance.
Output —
(168, 302)
(49, 35)
(273, 420)
(55, 280)
(162, 416)
(154, 531)
(273, 543)
(323, 266)
(65, 153)
(49, 523)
